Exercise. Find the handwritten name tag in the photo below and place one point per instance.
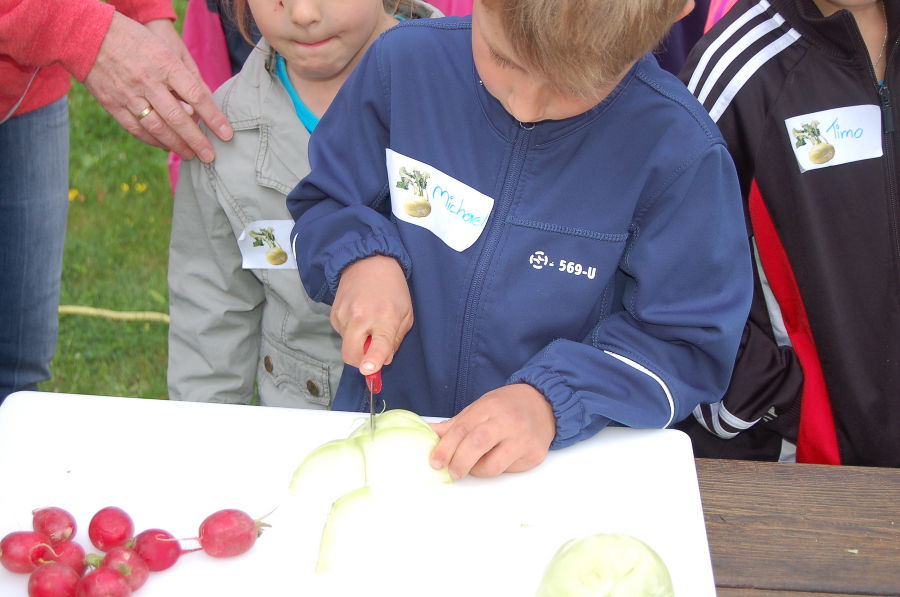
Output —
(424, 196)
(837, 136)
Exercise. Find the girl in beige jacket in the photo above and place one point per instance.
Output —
(240, 319)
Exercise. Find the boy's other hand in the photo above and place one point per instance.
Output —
(372, 299)
(506, 430)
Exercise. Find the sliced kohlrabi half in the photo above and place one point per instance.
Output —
(606, 565)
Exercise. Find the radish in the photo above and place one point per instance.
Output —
(110, 527)
(53, 580)
(229, 533)
(54, 522)
(71, 554)
(129, 564)
(158, 548)
(103, 582)
(23, 551)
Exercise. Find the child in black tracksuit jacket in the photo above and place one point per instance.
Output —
(802, 93)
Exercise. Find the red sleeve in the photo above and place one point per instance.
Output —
(43, 32)
(67, 32)
(144, 11)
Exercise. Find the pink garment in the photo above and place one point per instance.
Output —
(717, 8)
(452, 8)
(205, 40)
(62, 37)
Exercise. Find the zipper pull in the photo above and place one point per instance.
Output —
(887, 113)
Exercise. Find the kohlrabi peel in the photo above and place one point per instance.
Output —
(606, 565)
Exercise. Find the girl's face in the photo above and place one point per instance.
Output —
(320, 39)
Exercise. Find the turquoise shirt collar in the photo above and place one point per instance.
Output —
(308, 119)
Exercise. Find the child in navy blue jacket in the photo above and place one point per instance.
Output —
(559, 213)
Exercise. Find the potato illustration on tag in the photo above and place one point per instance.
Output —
(266, 236)
(416, 182)
(821, 150)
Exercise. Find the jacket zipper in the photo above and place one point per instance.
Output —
(887, 133)
(502, 207)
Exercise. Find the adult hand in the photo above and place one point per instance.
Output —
(506, 430)
(372, 299)
(140, 68)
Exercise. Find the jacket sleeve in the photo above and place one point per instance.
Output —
(68, 32)
(685, 287)
(43, 32)
(144, 11)
(215, 306)
(342, 208)
(767, 380)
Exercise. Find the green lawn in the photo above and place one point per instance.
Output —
(120, 215)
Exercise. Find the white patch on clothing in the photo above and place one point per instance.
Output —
(424, 196)
(836, 136)
(264, 244)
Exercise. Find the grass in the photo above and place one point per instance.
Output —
(120, 216)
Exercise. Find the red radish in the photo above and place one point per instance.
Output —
(158, 548)
(228, 533)
(54, 522)
(103, 582)
(23, 551)
(71, 554)
(129, 564)
(110, 527)
(53, 580)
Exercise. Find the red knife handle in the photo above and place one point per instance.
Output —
(373, 380)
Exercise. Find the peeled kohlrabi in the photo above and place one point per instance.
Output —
(397, 454)
(606, 565)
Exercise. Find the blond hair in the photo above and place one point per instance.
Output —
(583, 47)
(239, 11)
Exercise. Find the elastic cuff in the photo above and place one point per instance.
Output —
(369, 245)
(567, 408)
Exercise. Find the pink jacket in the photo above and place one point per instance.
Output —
(62, 37)
(717, 8)
(455, 8)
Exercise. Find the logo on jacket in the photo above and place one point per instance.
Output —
(836, 136)
(540, 260)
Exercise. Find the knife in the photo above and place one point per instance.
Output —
(373, 382)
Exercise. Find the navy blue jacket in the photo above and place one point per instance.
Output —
(612, 273)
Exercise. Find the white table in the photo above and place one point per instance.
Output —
(170, 464)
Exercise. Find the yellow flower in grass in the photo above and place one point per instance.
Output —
(140, 187)
(73, 193)
(124, 187)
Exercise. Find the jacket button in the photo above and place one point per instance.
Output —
(313, 388)
(267, 363)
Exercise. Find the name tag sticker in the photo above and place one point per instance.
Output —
(265, 244)
(837, 136)
(424, 196)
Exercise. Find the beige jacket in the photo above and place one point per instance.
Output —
(233, 328)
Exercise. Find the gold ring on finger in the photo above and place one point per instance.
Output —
(144, 112)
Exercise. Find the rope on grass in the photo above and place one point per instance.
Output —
(114, 315)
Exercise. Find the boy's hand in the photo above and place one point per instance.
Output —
(506, 430)
(372, 299)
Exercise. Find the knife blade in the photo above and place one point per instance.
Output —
(373, 382)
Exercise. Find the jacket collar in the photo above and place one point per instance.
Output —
(836, 35)
(261, 102)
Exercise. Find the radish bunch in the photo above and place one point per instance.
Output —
(57, 565)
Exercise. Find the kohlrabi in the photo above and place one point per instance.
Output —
(606, 565)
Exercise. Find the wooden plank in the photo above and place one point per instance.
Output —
(767, 593)
(802, 527)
